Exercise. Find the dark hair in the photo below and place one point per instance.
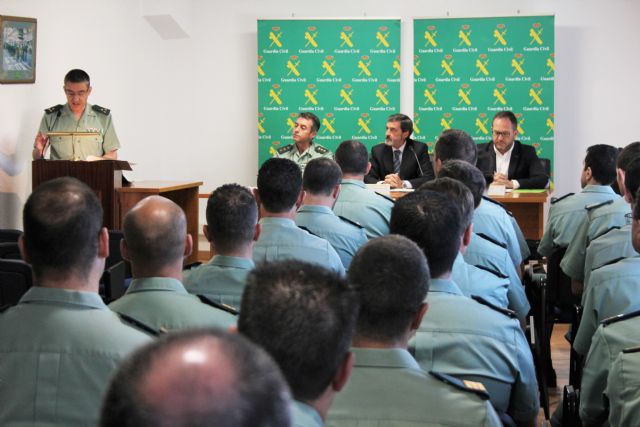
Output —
(77, 76)
(406, 125)
(627, 155)
(632, 177)
(352, 157)
(321, 176)
(304, 316)
(636, 205)
(601, 158)
(455, 144)
(237, 385)
(232, 214)
(467, 174)
(458, 193)
(506, 115)
(314, 119)
(391, 277)
(62, 220)
(432, 221)
(279, 184)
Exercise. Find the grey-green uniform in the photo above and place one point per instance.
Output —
(623, 389)
(566, 214)
(368, 208)
(222, 279)
(612, 336)
(599, 219)
(281, 238)
(388, 388)
(473, 340)
(344, 235)
(492, 219)
(472, 280)
(94, 119)
(58, 349)
(164, 304)
(315, 151)
(304, 415)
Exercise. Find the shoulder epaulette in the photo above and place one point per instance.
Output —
(505, 311)
(615, 227)
(492, 240)
(613, 261)
(384, 196)
(492, 271)
(285, 149)
(320, 149)
(614, 319)
(191, 266)
(302, 227)
(495, 202)
(53, 109)
(468, 386)
(347, 220)
(631, 350)
(557, 199)
(138, 324)
(100, 109)
(598, 205)
(220, 306)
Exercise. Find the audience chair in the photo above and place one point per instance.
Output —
(576, 361)
(9, 235)
(10, 250)
(15, 279)
(571, 407)
(115, 256)
(112, 282)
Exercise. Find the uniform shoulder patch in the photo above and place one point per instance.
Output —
(354, 223)
(557, 199)
(598, 205)
(631, 350)
(302, 227)
(464, 385)
(505, 311)
(53, 109)
(385, 197)
(132, 321)
(495, 202)
(100, 109)
(613, 261)
(492, 240)
(285, 149)
(320, 149)
(220, 306)
(620, 317)
(492, 271)
(615, 227)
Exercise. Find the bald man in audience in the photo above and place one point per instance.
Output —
(198, 378)
(156, 243)
(60, 344)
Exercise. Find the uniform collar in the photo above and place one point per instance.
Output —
(284, 222)
(446, 286)
(355, 182)
(88, 111)
(231, 261)
(384, 357)
(598, 189)
(306, 415)
(156, 284)
(39, 294)
(316, 209)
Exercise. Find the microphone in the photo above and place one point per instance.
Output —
(417, 161)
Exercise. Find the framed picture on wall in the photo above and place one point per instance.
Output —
(18, 55)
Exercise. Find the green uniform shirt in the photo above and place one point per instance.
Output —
(79, 147)
(623, 389)
(315, 151)
(304, 415)
(368, 208)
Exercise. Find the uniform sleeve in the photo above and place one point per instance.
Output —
(545, 248)
(524, 403)
(335, 263)
(589, 321)
(110, 140)
(620, 403)
(593, 406)
(573, 261)
(492, 420)
(512, 242)
(44, 124)
(522, 242)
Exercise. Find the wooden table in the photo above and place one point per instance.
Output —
(529, 209)
(184, 194)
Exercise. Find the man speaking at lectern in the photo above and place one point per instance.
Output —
(93, 134)
(400, 161)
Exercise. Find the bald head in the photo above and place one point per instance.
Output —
(205, 377)
(155, 234)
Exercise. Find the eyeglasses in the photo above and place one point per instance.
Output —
(72, 94)
(504, 134)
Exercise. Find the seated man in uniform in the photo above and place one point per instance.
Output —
(508, 162)
(232, 230)
(156, 242)
(468, 338)
(623, 389)
(321, 184)
(61, 344)
(303, 316)
(198, 378)
(387, 386)
(355, 202)
(77, 116)
(400, 161)
(303, 150)
(279, 195)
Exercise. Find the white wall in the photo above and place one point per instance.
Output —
(186, 109)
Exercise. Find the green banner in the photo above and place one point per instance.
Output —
(468, 69)
(347, 72)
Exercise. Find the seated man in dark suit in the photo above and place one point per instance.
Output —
(400, 161)
(508, 162)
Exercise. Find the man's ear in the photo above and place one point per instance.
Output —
(344, 372)
(205, 231)
(103, 243)
(300, 199)
(256, 232)
(417, 320)
(124, 250)
(23, 250)
(336, 191)
(188, 245)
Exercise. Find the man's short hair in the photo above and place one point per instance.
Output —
(304, 316)
(232, 214)
(636, 206)
(391, 277)
(352, 157)
(632, 177)
(315, 127)
(601, 158)
(456, 144)
(230, 382)
(506, 115)
(77, 76)
(279, 184)
(627, 155)
(62, 220)
(467, 174)
(433, 222)
(321, 176)
(456, 191)
(155, 241)
(406, 124)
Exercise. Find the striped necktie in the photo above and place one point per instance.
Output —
(396, 161)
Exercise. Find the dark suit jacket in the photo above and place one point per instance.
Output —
(382, 163)
(524, 166)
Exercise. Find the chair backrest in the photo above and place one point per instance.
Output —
(559, 284)
(15, 279)
(9, 235)
(115, 256)
(10, 250)
(112, 282)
